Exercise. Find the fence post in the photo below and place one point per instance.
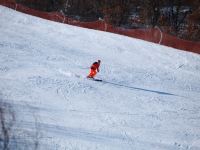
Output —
(15, 7)
(161, 34)
(105, 26)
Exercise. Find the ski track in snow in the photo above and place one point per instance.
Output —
(149, 98)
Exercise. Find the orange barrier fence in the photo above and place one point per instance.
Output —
(152, 35)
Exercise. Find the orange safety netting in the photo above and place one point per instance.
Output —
(152, 34)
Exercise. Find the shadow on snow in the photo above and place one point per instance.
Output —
(141, 89)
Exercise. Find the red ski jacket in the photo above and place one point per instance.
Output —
(95, 66)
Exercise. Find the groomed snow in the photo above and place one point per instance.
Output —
(149, 98)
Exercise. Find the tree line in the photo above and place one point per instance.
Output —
(178, 17)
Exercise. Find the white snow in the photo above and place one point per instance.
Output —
(149, 98)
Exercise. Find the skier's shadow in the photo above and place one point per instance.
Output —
(141, 89)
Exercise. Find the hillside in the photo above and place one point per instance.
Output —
(149, 98)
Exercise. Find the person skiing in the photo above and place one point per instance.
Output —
(94, 69)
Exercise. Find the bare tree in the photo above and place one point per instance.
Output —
(116, 12)
(173, 16)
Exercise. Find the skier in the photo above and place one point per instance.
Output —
(94, 69)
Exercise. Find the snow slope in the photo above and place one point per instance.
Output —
(149, 98)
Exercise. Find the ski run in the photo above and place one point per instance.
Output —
(149, 97)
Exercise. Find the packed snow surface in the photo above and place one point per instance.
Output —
(149, 98)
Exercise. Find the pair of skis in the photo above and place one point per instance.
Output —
(99, 80)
